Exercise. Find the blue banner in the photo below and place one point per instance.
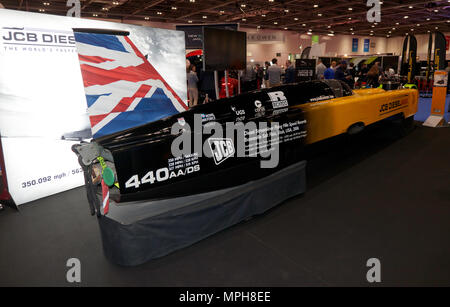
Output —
(355, 45)
(366, 45)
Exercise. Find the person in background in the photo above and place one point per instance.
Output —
(259, 75)
(389, 72)
(343, 74)
(352, 70)
(192, 88)
(373, 76)
(447, 69)
(333, 65)
(266, 74)
(328, 73)
(232, 86)
(289, 75)
(320, 69)
(363, 73)
(248, 80)
(274, 74)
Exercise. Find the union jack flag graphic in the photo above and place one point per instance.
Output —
(123, 90)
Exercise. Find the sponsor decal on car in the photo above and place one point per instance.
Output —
(393, 106)
(221, 148)
(278, 100)
(208, 117)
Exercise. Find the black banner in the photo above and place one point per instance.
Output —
(439, 51)
(430, 46)
(412, 59)
(194, 33)
(404, 66)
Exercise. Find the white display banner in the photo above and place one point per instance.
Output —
(42, 100)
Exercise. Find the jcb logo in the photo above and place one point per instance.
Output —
(221, 149)
(389, 106)
(384, 108)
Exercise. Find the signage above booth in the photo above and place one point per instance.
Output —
(265, 38)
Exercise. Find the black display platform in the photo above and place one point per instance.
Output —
(135, 233)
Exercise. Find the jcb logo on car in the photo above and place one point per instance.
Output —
(221, 149)
(389, 106)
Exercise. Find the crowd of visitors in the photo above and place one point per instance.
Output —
(351, 74)
(273, 74)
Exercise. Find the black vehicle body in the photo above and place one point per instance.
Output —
(144, 152)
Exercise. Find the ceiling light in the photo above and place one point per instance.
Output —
(105, 8)
(243, 19)
(147, 18)
(320, 14)
(349, 18)
(275, 23)
(393, 28)
(115, 3)
(270, 0)
(95, 15)
(309, 33)
(316, 5)
(436, 28)
(46, 3)
(329, 27)
(263, 15)
(428, 19)
(41, 10)
(189, 21)
(412, 29)
(304, 24)
(436, 11)
(406, 17)
(410, 6)
(243, 5)
(371, 34)
(204, 16)
(285, 28)
(159, 13)
(418, 24)
(295, 18)
(221, 12)
(353, 33)
(330, 34)
(350, 9)
(191, 1)
(286, 10)
(174, 8)
(258, 27)
(351, 29)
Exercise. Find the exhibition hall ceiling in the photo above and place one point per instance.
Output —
(398, 17)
